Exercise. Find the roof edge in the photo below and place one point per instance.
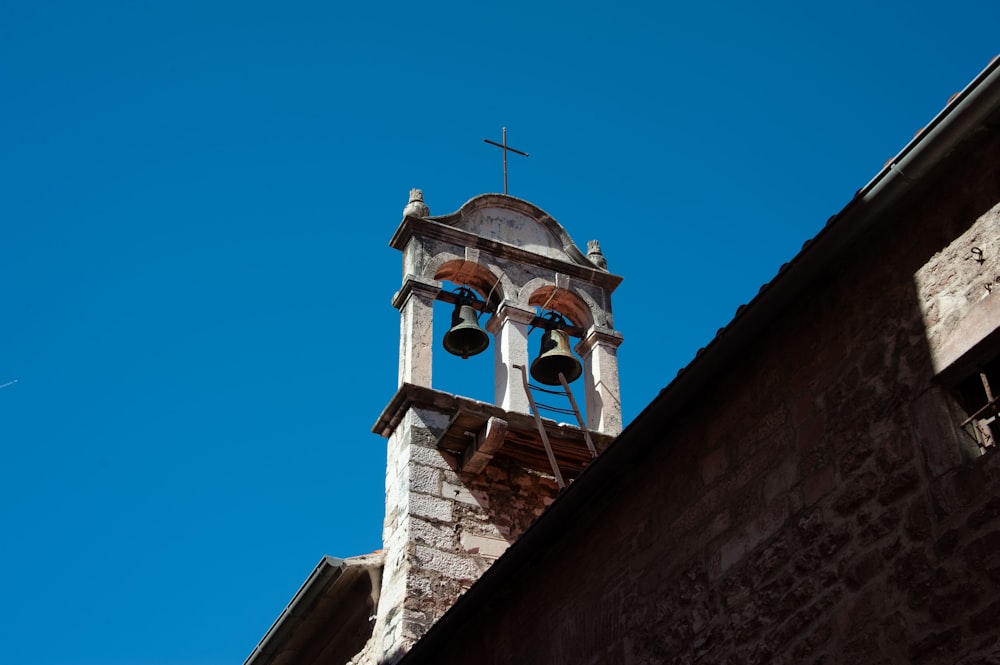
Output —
(326, 571)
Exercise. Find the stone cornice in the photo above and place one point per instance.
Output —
(599, 335)
(415, 283)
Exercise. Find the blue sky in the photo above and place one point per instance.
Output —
(195, 204)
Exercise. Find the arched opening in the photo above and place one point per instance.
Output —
(550, 347)
(546, 296)
(473, 375)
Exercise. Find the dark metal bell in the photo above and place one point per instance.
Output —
(555, 357)
(465, 338)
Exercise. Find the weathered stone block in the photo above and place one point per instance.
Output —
(986, 620)
(448, 564)
(861, 568)
(818, 485)
(897, 484)
(431, 457)
(425, 480)
(936, 644)
(778, 483)
(424, 505)
(856, 491)
(985, 515)
(713, 465)
(459, 493)
(484, 545)
(440, 536)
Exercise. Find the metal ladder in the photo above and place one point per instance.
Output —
(575, 410)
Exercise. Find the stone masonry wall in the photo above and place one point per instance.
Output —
(960, 277)
(442, 529)
(817, 506)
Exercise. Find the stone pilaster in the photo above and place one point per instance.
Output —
(599, 351)
(415, 302)
(510, 330)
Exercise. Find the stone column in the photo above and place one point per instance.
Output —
(510, 331)
(415, 302)
(599, 350)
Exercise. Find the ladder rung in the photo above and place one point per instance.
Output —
(555, 409)
(547, 390)
(575, 411)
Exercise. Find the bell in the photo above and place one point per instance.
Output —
(555, 357)
(465, 338)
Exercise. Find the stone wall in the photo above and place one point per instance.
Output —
(442, 529)
(817, 505)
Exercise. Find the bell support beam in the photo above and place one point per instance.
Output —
(537, 322)
(599, 351)
(509, 327)
(415, 302)
(487, 441)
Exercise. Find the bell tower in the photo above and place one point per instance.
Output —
(465, 478)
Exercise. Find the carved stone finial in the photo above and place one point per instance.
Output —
(595, 255)
(416, 207)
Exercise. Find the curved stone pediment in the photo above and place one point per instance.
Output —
(516, 222)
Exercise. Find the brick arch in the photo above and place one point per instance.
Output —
(572, 304)
(474, 275)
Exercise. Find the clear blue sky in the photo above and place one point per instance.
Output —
(195, 283)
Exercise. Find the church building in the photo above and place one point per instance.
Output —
(821, 483)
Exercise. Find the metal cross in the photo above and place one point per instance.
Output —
(505, 149)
